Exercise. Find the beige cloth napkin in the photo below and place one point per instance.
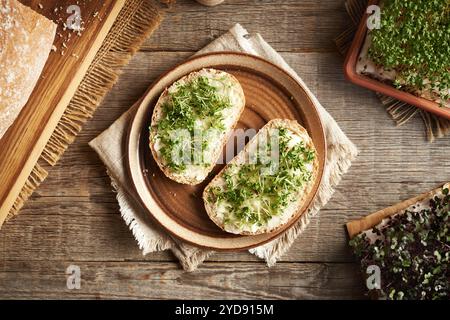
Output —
(150, 237)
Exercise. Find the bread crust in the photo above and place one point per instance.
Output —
(295, 127)
(26, 39)
(157, 111)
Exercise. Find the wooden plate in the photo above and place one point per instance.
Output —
(270, 93)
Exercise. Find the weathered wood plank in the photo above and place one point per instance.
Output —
(56, 224)
(394, 164)
(137, 280)
(300, 26)
(387, 153)
(105, 236)
(73, 217)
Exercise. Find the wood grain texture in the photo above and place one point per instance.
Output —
(288, 25)
(154, 280)
(73, 217)
(22, 145)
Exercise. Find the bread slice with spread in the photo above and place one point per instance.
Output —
(265, 185)
(192, 121)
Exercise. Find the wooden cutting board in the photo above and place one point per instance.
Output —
(24, 142)
(355, 227)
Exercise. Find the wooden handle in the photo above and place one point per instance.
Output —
(357, 226)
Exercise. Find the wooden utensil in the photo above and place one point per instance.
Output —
(357, 226)
(270, 93)
(23, 143)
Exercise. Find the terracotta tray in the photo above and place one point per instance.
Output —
(270, 93)
(24, 141)
(378, 86)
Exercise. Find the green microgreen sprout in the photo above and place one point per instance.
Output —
(192, 112)
(412, 251)
(414, 40)
(272, 191)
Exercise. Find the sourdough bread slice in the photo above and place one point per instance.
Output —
(246, 198)
(197, 112)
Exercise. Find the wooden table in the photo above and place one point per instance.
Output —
(73, 218)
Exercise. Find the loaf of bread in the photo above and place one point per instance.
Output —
(26, 39)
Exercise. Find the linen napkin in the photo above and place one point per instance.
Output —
(150, 237)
